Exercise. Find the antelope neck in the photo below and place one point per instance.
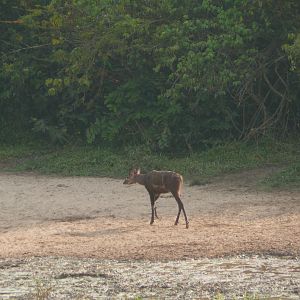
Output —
(141, 179)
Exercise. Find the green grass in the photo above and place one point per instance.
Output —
(198, 168)
(288, 178)
(10, 152)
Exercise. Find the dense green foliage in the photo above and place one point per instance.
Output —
(167, 74)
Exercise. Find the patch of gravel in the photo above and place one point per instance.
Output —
(72, 278)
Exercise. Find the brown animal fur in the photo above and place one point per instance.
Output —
(159, 182)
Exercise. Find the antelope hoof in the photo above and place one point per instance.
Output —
(187, 225)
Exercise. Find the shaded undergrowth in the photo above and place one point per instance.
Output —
(198, 168)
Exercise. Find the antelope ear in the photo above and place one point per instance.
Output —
(138, 171)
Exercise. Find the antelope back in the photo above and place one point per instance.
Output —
(164, 181)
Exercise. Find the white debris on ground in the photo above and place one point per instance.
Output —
(83, 278)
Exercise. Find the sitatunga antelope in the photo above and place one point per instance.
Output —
(159, 182)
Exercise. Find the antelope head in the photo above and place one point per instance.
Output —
(132, 176)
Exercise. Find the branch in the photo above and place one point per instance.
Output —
(281, 79)
(271, 86)
(30, 47)
(12, 22)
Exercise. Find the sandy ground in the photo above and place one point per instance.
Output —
(101, 217)
(69, 231)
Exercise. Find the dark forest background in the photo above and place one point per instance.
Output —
(171, 75)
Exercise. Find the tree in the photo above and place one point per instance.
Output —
(169, 74)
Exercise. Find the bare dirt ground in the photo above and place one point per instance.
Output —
(49, 221)
(71, 278)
